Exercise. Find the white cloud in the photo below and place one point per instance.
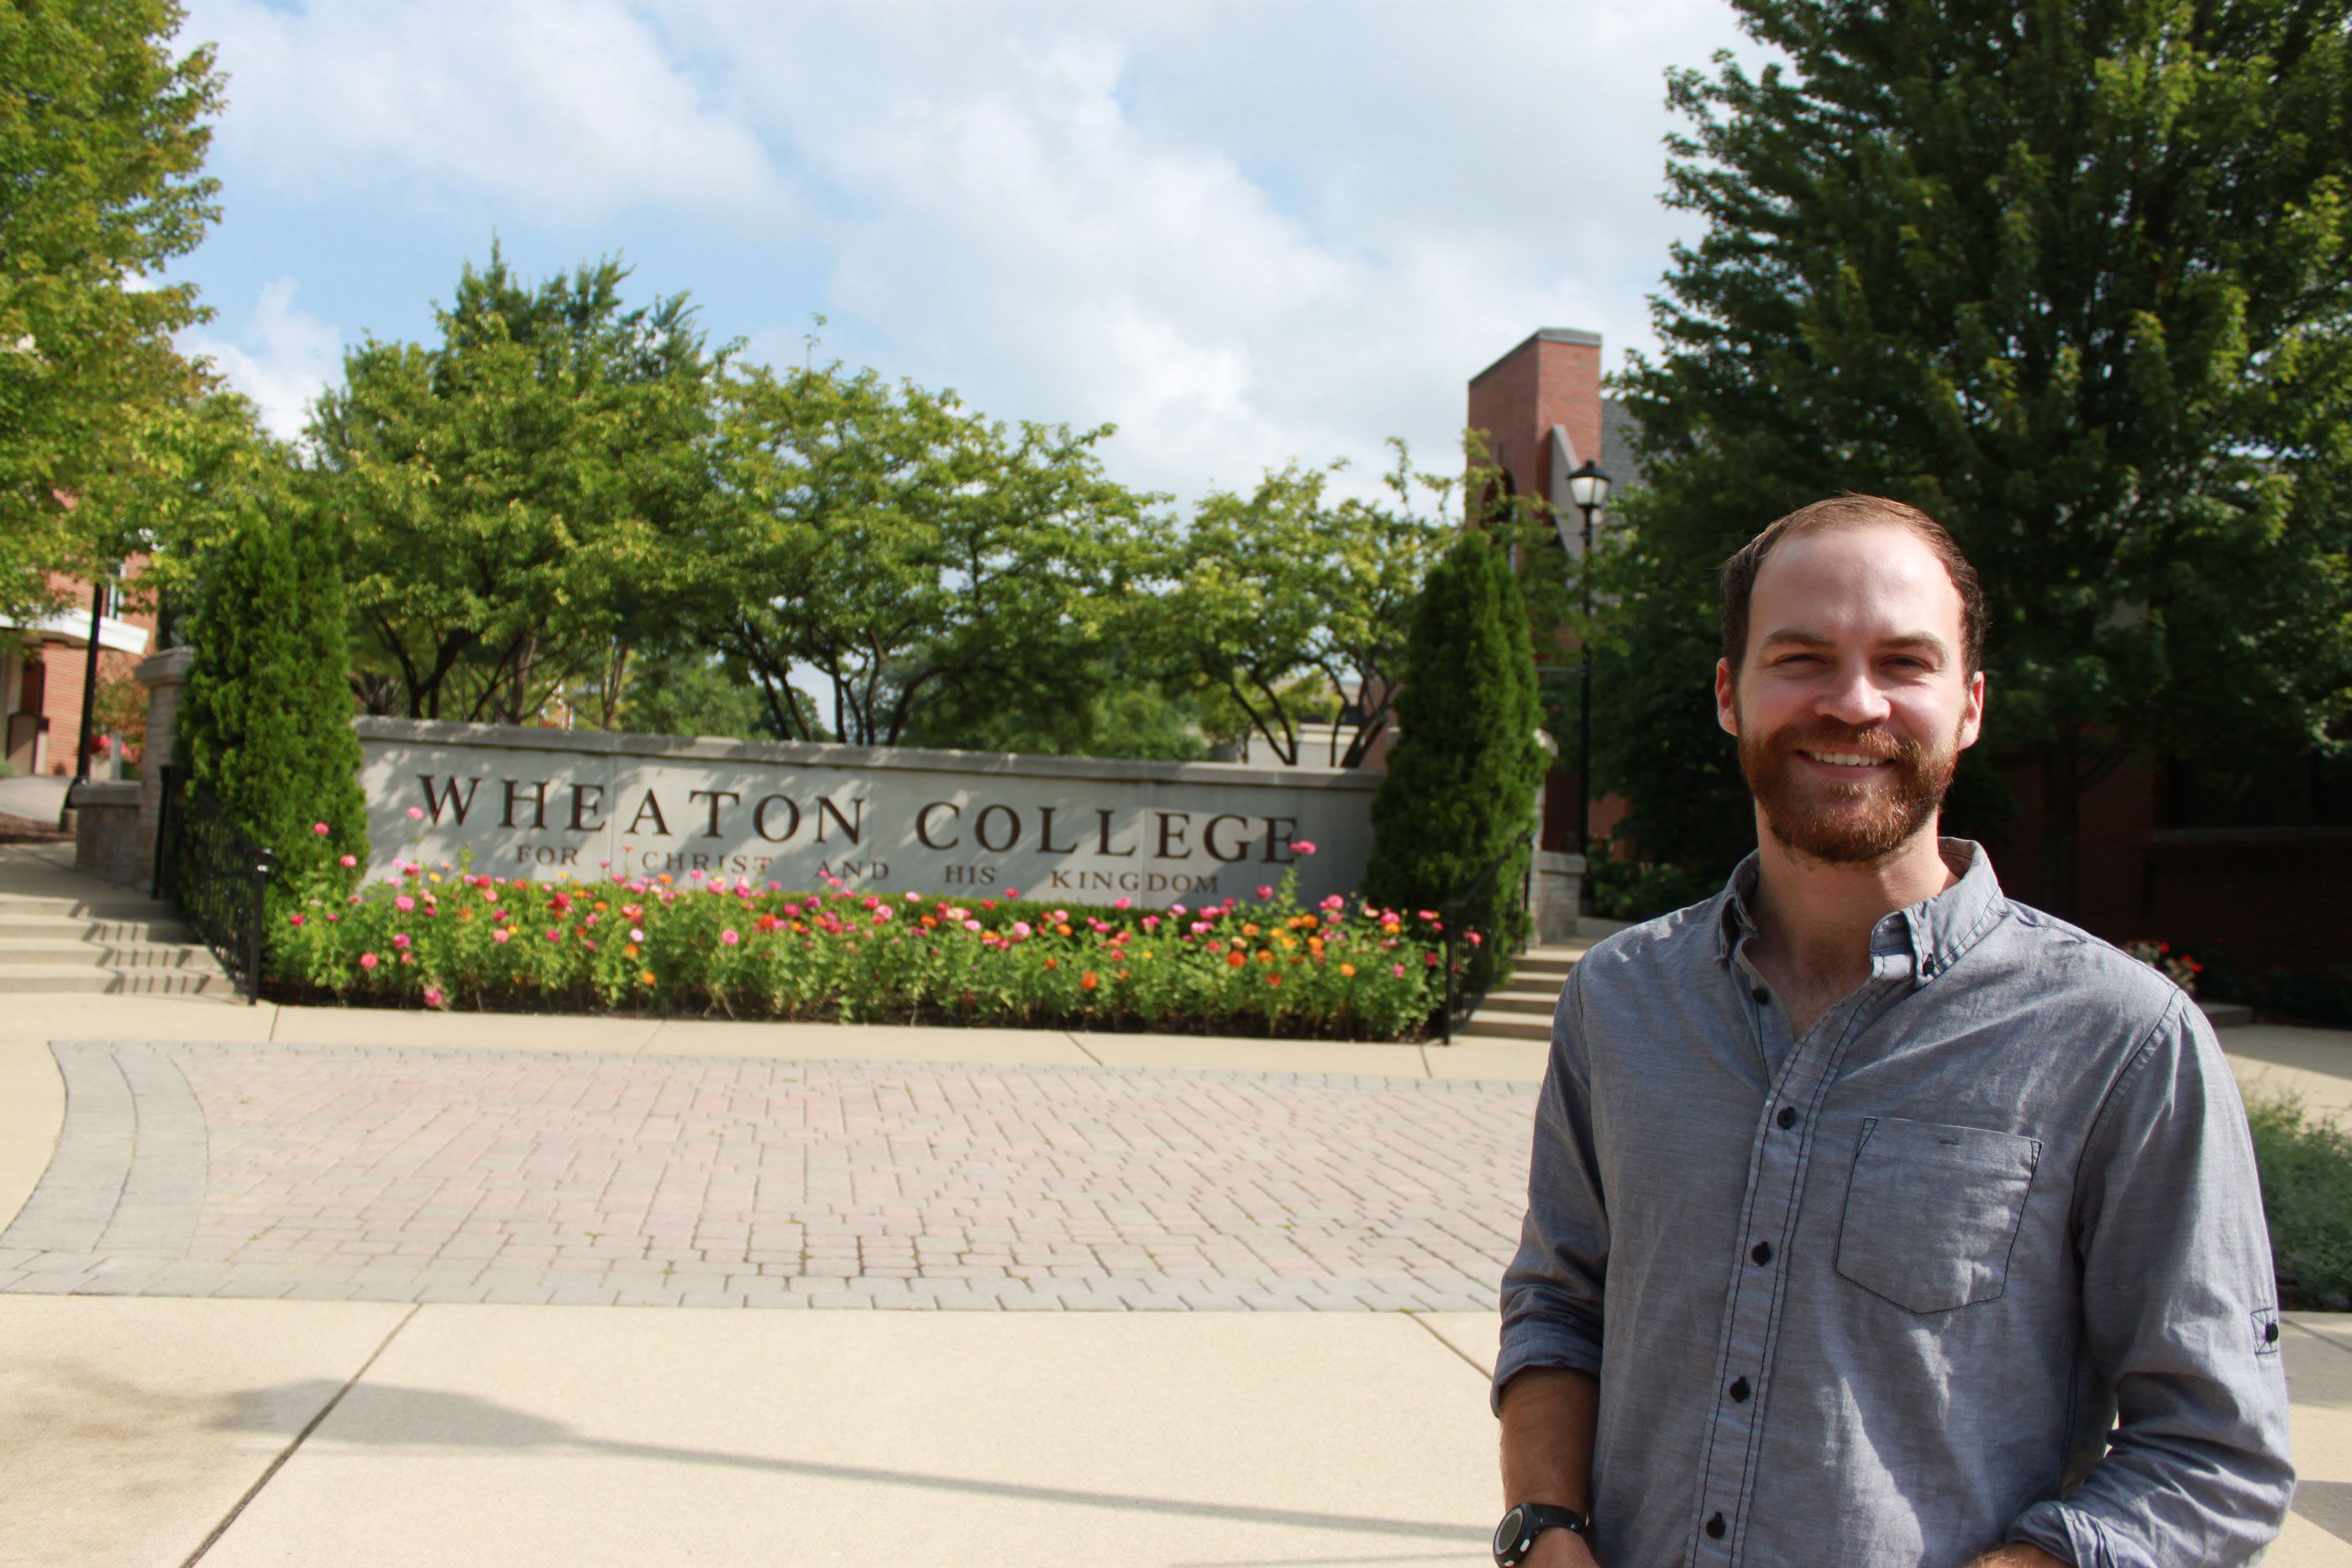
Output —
(1244, 232)
(281, 359)
(565, 108)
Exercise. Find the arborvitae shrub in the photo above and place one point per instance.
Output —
(1461, 778)
(266, 723)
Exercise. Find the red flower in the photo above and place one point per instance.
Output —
(1086, 982)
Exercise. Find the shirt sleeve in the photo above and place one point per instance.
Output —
(1552, 1290)
(2180, 1320)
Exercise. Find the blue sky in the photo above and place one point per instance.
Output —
(1243, 232)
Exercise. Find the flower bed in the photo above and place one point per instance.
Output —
(449, 938)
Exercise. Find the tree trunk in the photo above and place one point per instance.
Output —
(2062, 817)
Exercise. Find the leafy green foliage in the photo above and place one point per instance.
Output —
(2307, 1175)
(1283, 593)
(912, 553)
(2075, 280)
(518, 499)
(265, 723)
(1460, 790)
(101, 136)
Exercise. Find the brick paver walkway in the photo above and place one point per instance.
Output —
(386, 1173)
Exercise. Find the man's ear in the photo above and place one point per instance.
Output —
(1972, 712)
(1727, 700)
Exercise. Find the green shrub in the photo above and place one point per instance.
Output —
(1461, 783)
(1641, 890)
(2307, 1175)
(265, 724)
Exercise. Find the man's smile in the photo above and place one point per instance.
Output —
(1844, 758)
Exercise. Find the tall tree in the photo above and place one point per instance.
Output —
(912, 554)
(516, 500)
(101, 139)
(2075, 280)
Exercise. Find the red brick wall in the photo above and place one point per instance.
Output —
(1520, 398)
(62, 698)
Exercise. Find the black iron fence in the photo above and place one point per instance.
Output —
(213, 872)
(1460, 1001)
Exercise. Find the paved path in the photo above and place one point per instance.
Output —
(418, 1174)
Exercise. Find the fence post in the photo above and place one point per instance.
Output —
(257, 918)
(160, 888)
(1446, 1033)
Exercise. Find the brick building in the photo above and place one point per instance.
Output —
(41, 674)
(2262, 879)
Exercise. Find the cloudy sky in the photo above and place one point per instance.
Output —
(1243, 231)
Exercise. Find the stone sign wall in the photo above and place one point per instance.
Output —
(545, 802)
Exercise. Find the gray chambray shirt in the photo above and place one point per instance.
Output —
(1980, 1258)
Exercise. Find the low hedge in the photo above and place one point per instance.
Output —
(2307, 1175)
(450, 938)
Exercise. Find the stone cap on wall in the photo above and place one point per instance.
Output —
(897, 758)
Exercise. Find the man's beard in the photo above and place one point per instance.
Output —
(1843, 822)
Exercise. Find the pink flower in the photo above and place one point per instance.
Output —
(731, 937)
(634, 934)
(971, 924)
(1060, 915)
(1009, 892)
(1021, 930)
(502, 936)
(433, 996)
(1477, 940)
(321, 828)
(1120, 902)
(555, 933)
(416, 814)
(408, 958)
(1175, 909)
(404, 904)
(1337, 900)
(1399, 971)
(1265, 892)
(1304, 846)
(400, 939)
(331, 919)
(294, 920)
(369, 960)
(1152, 923)
(914, 898)
(348, 862)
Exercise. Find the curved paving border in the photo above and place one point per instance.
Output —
(414, 1174)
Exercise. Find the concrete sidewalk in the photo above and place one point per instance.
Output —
(156, 1429)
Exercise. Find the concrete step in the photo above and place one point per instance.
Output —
(1517, 998)
(124, 905)
(60, 954)
(73, 928)
(25, 979)
(1484, 1025)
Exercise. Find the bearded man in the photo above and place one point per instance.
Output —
(1875, 1220)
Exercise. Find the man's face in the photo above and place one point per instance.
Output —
(1851, 705)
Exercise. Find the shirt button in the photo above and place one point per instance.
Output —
(1715, 1527)
(1739, 1391)
(1787, 1117)
(1761, 1252)
(1760, 994)
(2270, 1333)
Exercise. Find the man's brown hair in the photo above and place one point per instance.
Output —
(1851, 511)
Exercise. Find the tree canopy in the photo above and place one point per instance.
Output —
(2075, 280)
(102, 136)
(516, 501)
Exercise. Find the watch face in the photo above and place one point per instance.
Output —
(1506, 1534)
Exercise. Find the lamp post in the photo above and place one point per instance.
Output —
(1588, 491)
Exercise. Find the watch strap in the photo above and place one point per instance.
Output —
(1515, 1537)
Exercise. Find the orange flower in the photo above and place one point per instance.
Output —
(1063, 930)
(599, 906)
(662, 879)
(1122, 974)
(1250, 930)
(1348, 970)
(631, 949)
(647, 975)
(1266, 956)
(1051, 964)
(1088, 982)
(1237, 959)
(1273, 979)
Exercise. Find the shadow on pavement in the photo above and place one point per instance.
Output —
(390, 1415)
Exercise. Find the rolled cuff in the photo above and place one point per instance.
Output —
(2069, 1534)
(1541, 1342)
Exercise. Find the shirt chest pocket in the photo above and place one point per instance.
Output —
(1932, 1212)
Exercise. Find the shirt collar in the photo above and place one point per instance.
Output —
(1937, 931)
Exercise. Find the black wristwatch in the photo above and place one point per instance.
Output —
(1516, 1536)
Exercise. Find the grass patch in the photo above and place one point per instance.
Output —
(2307, 1175)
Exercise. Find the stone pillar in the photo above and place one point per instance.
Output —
(1558, 895)
(166, 676)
